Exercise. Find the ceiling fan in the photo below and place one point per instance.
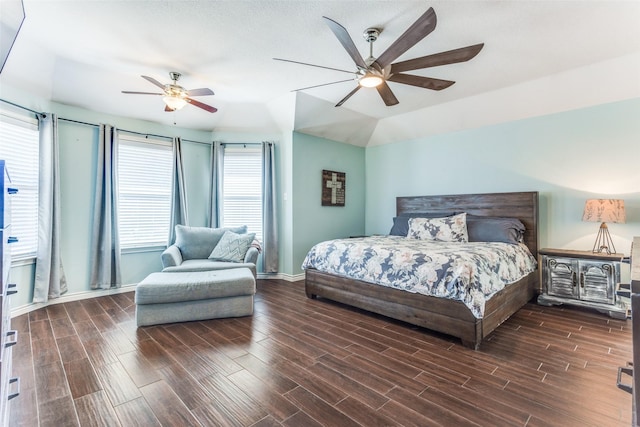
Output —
(175, 96)
(376, 72)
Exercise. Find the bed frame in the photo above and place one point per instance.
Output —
(439, 314)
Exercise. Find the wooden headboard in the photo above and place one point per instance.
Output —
(521, 205)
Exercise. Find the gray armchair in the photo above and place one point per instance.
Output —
(203, 249)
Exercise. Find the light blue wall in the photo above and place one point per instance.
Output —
(284, 186)
(568, 157)
(313, 223)
(196, 158)
(78, 145)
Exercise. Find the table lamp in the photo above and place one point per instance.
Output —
(603, 211)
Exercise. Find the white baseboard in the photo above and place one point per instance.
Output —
(77, 296)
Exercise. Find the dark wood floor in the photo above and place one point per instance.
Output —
(301, 362)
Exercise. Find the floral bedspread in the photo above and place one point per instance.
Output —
(468, 272)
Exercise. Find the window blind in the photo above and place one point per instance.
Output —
(19, 147)
(242, 188)
(144, 191)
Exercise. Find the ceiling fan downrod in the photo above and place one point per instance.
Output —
(371, 35)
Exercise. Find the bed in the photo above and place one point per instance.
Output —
(443, 315)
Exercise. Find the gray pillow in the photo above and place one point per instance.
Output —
(198, 242)
(401, 223)
(232, 247)
(494, 229)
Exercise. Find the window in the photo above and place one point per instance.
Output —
(242, 188)
(144, 191)
(19, 147)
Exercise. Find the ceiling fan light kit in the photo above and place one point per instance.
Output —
(174, 102)
(376, 72)
(370, 80)
(175, 96)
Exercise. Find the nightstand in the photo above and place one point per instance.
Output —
(582, 278)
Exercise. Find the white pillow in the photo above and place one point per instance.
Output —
(448, 229)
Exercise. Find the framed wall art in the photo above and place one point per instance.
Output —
(333, 188)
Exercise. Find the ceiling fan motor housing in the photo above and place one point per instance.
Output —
(175, 91)
(371, 34)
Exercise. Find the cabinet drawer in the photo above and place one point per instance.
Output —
(560, 277)
(597, 282)
(5, 384)
(5, 254)
(5, 208)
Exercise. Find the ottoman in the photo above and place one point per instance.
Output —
(194, 295)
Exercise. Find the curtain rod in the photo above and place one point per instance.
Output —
(240, 143)
(133, 132)
(95, 125)
(77, 121)
(20, 106)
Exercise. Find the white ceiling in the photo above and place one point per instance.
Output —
(84, 53)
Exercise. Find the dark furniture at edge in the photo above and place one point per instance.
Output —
(635, 326)
(439, 314)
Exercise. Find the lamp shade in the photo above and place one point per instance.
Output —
(604, 210)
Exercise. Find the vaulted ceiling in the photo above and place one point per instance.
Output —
(84, 53)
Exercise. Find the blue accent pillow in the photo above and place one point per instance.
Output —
(232, 247)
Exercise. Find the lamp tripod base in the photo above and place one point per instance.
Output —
(603, 241)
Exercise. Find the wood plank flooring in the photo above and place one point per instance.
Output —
(302, 362)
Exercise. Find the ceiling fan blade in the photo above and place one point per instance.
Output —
(343, 100)
(154, 81)
(443, 58)
(387, 96)
(203, 91)
(199, 104)
(425, 82)
(416, 32)
(345, 39)
(323, 84)
(141, 93)
(313, 65)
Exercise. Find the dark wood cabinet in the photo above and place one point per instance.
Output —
(582, 278)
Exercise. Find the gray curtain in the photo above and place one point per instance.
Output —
(50, 280)
(179, 214)
(269, 218)
(105, 242)
(217, 166)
